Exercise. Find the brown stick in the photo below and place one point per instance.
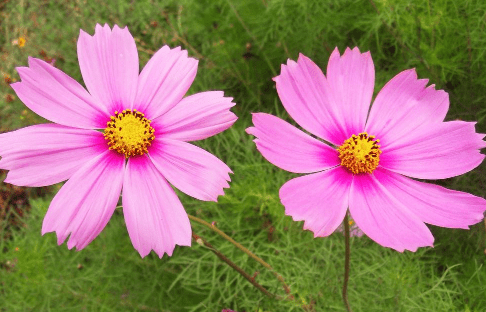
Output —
(245, 250)
(203, 242)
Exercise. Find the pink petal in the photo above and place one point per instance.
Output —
(164, 80)
(46, 154)
(351, 79)
(434, 204)
(443, 150)
(289, 148)
(197, 117)
(404, 106)
(383, 217)
(52, 94)
(320, 199)
(190, 169)
(154, 215)
(305, 94)
(83, 206)
(109, 64)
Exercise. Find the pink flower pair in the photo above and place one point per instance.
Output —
(146, 123)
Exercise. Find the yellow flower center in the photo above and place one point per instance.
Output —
(360, 153)
(129, 133)
(21, 41)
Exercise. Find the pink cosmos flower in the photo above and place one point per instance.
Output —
(369, 154)
(145, 124)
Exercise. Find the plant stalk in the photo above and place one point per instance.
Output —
(346, 262)
(245, 250)
(247, 276)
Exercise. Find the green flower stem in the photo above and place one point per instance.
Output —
(245, 250)
(346, 263)
(249, 278)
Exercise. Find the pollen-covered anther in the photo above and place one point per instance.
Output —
(360, 153)
(129, 133)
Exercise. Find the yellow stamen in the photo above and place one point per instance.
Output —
(129, 133)
(360, 153)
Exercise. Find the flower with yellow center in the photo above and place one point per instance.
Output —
(21, 42)
(363, 176)
(129, 133)
(125, 158)
(360, 153)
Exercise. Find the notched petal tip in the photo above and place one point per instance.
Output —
(99, 27)
(250, 130)
(54, 95)
(383, 214)
(164, 81)
(45, 230)
(303, 59)
(185, 54)
(198, 116)
(348, 52)
(191, 169)
(289, 148)
(414, 248)
(85, 203)
(335, 55)
(17, 84)
(106, 29)
(31, 60)
(302, 198)
(170, 251)
(82, 38)
(143, 253)
(23, 72)
(118, 28)
(481, 137)
(155, 220)
(285, 68)
(72, 243)
(356, 51)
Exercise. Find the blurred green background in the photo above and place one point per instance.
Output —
(240, 45)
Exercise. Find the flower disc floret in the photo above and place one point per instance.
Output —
(360, 153)
(129, 133)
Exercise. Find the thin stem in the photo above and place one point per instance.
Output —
(346, 262)
(245, 250)
(249, 278)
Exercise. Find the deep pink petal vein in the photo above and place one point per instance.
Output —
(365, 158)
(142, 148)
